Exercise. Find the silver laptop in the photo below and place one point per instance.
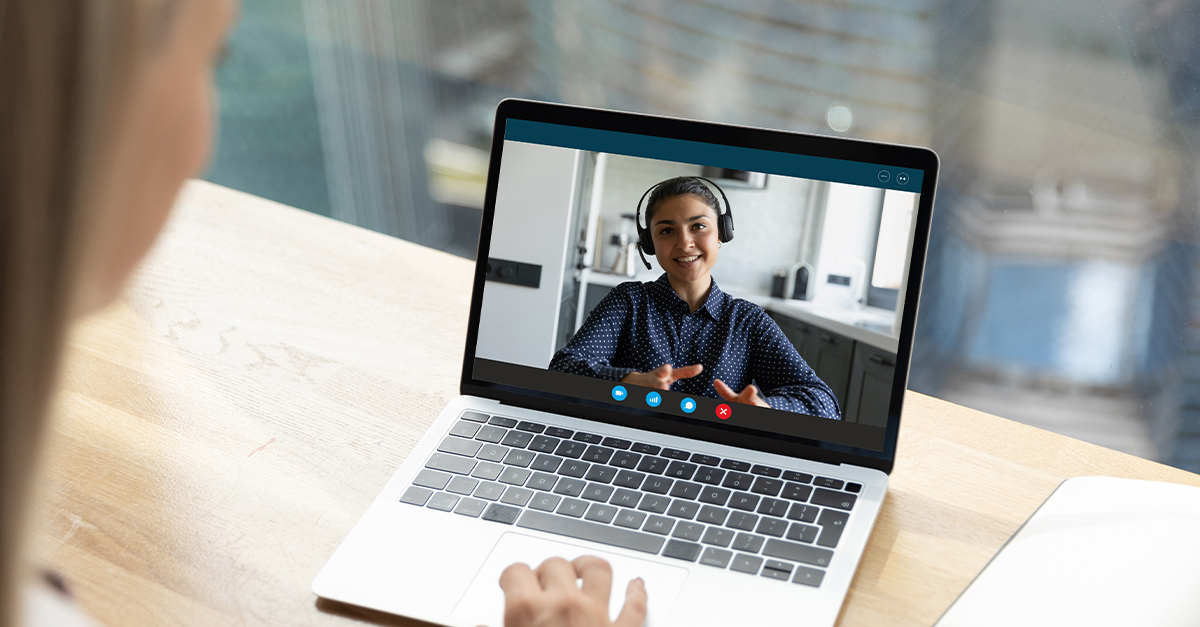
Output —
(687, 354)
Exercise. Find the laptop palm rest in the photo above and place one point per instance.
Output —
(483, 602)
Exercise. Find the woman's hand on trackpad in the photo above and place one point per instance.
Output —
(568, 594)
(663, 376)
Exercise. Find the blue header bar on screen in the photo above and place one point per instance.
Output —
(715, 155)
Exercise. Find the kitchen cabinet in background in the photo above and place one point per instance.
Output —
(870, 392)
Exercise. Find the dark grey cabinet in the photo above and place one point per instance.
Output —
(870, 391)
(830, 356)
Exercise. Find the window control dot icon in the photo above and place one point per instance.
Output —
(688, 405)
(619, 393)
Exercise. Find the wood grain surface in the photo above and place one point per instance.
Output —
(221, 429)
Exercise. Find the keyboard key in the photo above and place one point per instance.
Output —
(773, 507)
(493, 452)
(686, 551)
(688, 531)
(748, 542)
(416, 495)
(625, 459)
(716, 557)
(657, 485)
(585, 530)
(738, 481)
(569, 487)
(674, 453)
(685, 490)
(829, 498)
(462, 485)
(516, 496)
(653, 465)
(707, 460)
(854, 487)
(803, 513)
(432, 479)
(559, 432)
(531, 427)
(598, 454)
(647, 449)
(459, 446)
(598, 492)
(470, 507)
(546, 463)
(517, 457)
(514, 476)
(808, 576)
(744, 501)
(796, 492)
(681, 470)
(730, 464)
(766, 471)
(501, 514)
(474, 416)
(711, 476)
(777, 570)
(588, 438)
(659, 524)
(717, 536)
(442, 501)
(626, 498)
(602, 474)
(629, 518)
(545, 502)
(826, 482)
(798, 477)
(542, 481)
(772, 527)
(801, 532)
(683, 509)
(654, 504)
(570, 448)
(797, 552)
(714, 496)
(450, 463)
(616, 443)
(487, 471)
(629, 479)
(574, 468)
(712, 515)
(501, 421)
(746, 563)
(769, 487)
(573, 508)
(742, 520)
(833, 523)
(543, 444)
(488, 491)
(599, 512)
(464, 429)
(518, 439)
(491, 434)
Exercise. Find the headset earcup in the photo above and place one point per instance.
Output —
(646, 241)
(726, 232)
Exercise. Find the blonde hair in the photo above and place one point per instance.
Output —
(67, 69)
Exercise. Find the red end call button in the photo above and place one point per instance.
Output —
(724, 412)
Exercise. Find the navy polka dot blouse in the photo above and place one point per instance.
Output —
(641, 326)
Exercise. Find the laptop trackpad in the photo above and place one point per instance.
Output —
(483, 603)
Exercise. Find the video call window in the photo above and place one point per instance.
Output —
(774, 312)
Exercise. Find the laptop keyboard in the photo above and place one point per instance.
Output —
(722, 513)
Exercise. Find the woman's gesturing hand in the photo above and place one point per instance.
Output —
(749, 396)
(663, 376)
(568, 594)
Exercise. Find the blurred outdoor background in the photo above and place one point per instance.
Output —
(1060, 288)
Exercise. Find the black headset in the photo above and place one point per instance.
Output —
(646, 238)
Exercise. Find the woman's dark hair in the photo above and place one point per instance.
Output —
(680, 186)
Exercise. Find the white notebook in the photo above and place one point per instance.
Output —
(1100, 551)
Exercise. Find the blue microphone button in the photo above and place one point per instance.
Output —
(619, 393)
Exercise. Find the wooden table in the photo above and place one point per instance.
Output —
(223, 426)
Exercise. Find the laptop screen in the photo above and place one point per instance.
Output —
(741, 288)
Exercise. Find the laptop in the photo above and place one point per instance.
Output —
(729, 444)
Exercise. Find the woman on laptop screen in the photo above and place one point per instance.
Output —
(681, 332)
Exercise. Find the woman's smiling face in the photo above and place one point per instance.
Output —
(684, 229)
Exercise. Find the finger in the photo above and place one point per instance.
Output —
(518, 578)
(597, 577)
(725, 391)
(748, 395)
(557, 573)
(662, 371)
(688, 372)
(633, 613)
